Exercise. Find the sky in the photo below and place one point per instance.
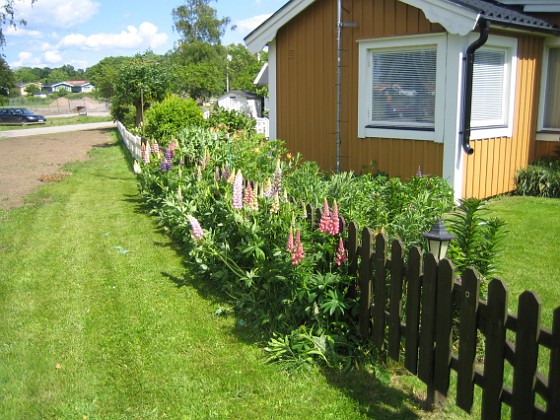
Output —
(82, 32)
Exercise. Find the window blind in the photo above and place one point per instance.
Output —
(488, 99)
(551, 118)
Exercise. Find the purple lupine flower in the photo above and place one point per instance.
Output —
(238, 190)
(155, 149)
(163, 165)
(196, 229)
(168, 159)
(419, 172)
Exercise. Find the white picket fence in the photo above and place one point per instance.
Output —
(262, 127)
(133, 143)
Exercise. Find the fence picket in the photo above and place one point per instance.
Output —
(553, 408)
(412, 326)
(495, 349)
(427, 323)
(444, 320)
(468, 307)
(395, 303)
(379, 290)
(365, 282)
(526, 354)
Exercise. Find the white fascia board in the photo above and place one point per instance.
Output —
(266, 32)
(455, 19)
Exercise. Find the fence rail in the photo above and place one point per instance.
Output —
(133, 143)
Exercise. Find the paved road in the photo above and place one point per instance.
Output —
(37, 131)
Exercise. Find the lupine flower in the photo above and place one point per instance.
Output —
(146, 155)
(335, 223)
(254, 204)
(290, 244)
(297, 251)
(163, 165)
(238, 190)
(172, 146)
(275, 208)
(196, 230)
(226, 171)
(325, 222)
(168, 159)
(136, 168)
(341, 254)
(155, 149)
(248, 196)
(277, 179)
(267, 189)
(419, 172)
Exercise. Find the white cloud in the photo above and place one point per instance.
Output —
(26, 59)
(145, 36)
(22, 32)
(56, 13)
(247, 25)
(52, 57)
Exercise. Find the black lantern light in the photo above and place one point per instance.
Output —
(438, 240)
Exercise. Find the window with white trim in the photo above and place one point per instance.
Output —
(549, 113)
(493, 88)
(401, 87)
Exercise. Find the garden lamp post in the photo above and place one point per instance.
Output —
(438, 240)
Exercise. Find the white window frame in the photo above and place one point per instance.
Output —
(365, 88)
(503, 128)
(549, 134)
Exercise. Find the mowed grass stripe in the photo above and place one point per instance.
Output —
(98, 319)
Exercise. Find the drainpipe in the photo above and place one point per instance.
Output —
(468, 84)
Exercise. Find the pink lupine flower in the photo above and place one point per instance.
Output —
(325, 222)
(196, 230)
(341, 254)
(248, 196)
(290, 244)
(238, 190)
(147, 153)
(172, 146)
(155, 149)
(297, 249)
(275, 208)
(335, 223)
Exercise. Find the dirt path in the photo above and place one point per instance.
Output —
(27, 162)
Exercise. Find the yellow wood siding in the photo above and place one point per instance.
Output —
(306, 87)
(490, 170)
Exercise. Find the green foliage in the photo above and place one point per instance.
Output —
(196, 21)
(541, 178)
(103, 74)
(230, 120)
(7, 79)
(477, 237)
(165, 119)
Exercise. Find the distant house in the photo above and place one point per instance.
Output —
(22, 87)
(465, 89)
(246, 102)
(73, 86)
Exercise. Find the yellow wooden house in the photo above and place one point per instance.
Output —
(465, 89)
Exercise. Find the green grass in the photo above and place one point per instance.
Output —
(52, 122)
(99, 318)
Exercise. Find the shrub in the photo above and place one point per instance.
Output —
(230, 120)
(541, 178)
(164, 120)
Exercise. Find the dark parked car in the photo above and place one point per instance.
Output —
(19, 116)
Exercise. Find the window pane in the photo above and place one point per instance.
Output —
(488, 88)
(552, 94)
(404, 87)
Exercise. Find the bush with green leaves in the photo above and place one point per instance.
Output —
(230, 120)
(541, 178)
(237, 204)
(164, 120)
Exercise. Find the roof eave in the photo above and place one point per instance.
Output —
(267, 31)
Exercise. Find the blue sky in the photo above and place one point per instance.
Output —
(82, 32)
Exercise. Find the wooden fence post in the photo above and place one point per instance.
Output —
(427, 326)
(379, 292)
(365, 282)
(412, 327)
(468, 309)
(352, 248)
(553, 408)
(444, 298)
(495, 349)
(526, 354)
(395, 303)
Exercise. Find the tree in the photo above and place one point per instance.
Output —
(196, 21)
(7, 17)
(103, 74)
(243, 67)
(141, 81)
(7, 80)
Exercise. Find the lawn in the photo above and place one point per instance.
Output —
(100, 319)
(52, 122)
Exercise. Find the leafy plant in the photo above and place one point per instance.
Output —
(230, 120)
(541, 178)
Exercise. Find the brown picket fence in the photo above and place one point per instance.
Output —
(424, 315)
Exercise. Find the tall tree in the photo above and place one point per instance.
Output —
(141, 81)
(7, 17)
(103, 74)
(196, 21)
(7, 80)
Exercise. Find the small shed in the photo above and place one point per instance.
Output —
(242, 101)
